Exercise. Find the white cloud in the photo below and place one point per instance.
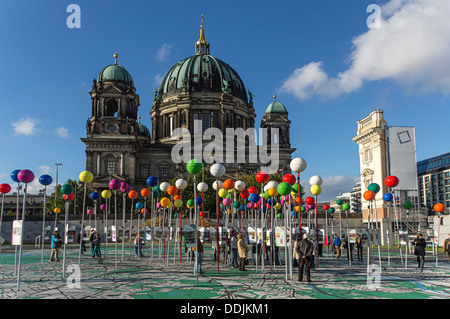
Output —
(25, 126)
(62, 132)
(163, 53)
(411, 48)
(158, 79)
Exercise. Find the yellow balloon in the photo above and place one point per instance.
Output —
(315, 190)
(178, 203)
(278, 206)
(106, 194)
(231, 191)
(165, 202)
(293, 193)
(57, 210)
(223, 193)
(272, 192)
(297, 208)
(86, 177)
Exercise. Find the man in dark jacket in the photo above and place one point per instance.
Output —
(305, 251)
(419, 249)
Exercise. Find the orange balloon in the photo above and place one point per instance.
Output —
(228, 184)
(176, 197)
(144, 211)
(172, 190)
(132, 194)
(369, 195)
(299, 201)
(145, 192)
(439, 207)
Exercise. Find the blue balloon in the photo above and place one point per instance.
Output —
(388, 197)
(254, 198)
(292, 213)
(264, 208)
(95, 195)
(139, 205)
(152, 181)
(14, 175)
(45, 180)
(243, 207)
(272, 202)
(199, 200)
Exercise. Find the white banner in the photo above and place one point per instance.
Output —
(16, 233)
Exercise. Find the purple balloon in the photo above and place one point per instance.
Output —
(114, 184)
(25, 176)
(103, 206)
(250, 205)
(124, 187)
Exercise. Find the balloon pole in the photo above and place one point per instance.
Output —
(82, 225)
(66, 236)
(17, 218)
(317, 235)
(123, 222)
(181, 222)
(43, 222)
(217, 226)
(130, 237)
(195, 230)
(21, 236)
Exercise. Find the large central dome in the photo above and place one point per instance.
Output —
(203, 73)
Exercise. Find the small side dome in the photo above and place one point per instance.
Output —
(114, 72)
(143, 130)
(276, 107)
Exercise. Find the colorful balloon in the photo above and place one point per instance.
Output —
(391, 181)
(262, 177)
(223, 193)
(439, 207)
(190, 203)
(152, 181)
(369, 195)
(25, 176)
(124, 187)
(326, 207)
(202, 187)
(86, 177)
(244, 194)
(217, 170)
(14, 175)
(298, 165)
(66, 189)
(374, 187)
(407, 205)
(388, 197)
(289, 178)
(346, 206)
(239, 186)
(68, 197)
(145, 192)
(339, 202)
(57, 210)
(194, 166)
(253, 190)
(254, 198)
(309, 200)
(226, 201)
(45, 180)
(284, 188)
(172, 190)
(132, 194)
(90, 211)
(5, 188)
(331, 210)
(228, 184)
(103, 207)
(114, 184)
(199, 201)
(139, 205)
(181, 183)
(165, 202)
(217, 185)
(315, 190)
(106, 194)
(316, 180)
(272, 192)
(164, 186)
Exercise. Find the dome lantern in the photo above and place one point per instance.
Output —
(202, 46)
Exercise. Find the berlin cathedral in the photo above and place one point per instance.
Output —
(200, 88)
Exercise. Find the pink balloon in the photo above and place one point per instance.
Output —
(124, 187)
(89, 211)
(114, 184)
(226, 201)
(158, 205)
(103, 206)
(250, 205)
(25, 176)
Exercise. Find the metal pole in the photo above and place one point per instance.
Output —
(21, 235)
(82, 224)
(43, 223)
(66, 228)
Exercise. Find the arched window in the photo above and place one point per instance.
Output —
(111, 108)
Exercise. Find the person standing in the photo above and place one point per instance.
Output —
(198, 264)
(349, 247)
(234, 250)
(243, 251)
(337, 246)
(91, 240)
(359, 246)
(447, 246)
(305, 251)
(97, 241)
(55, 245)
(419, 249)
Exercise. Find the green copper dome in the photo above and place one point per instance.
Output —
(114, 72)
(276, 107)
(143, 130)
(202, 73)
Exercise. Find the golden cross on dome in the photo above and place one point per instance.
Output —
(115, 57)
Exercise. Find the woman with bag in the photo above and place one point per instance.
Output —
(243, 251)
(55, 245)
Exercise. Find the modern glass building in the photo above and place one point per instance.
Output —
(434, 181)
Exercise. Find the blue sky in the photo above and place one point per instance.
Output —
(320, 58)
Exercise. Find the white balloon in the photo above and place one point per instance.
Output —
(270, 184)
(316, 180)
(181, 183)
(202, 187)
(298, 165)
(217, 170)
(215, 185)
(164, 186)
(239, 185)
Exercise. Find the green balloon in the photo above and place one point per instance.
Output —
(190, 203)
(175, 215)
(157, 188)
(284, 188)
(407, 205)
(295, 187)
(279, 216)
(374, 187)
(346, 206)
(67, 189)
(222, 206)
(331, 210)
(194, 166)
(302, 209)
(236, 204)
(266, 194)
(339, 202)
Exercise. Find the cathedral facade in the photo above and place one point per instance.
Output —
(197, 94)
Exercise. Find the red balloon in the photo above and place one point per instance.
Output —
(309, 200)
(326, 207)
(289, 178)
(5, 188)
(201, 213)
(68, 197)
(253, 190)
(244, 194)
(391, 181)
(262, 177)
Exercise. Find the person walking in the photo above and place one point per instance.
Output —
(359, 246)
(91, 240)
(55, 245)
(447, 246)
(337, 246)
(97, 241)
(243, 251)
(419, 250)
(234, 250)
(138, 246)
(295, 262)
(305, 251)
(198, 264)
(349, 247)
